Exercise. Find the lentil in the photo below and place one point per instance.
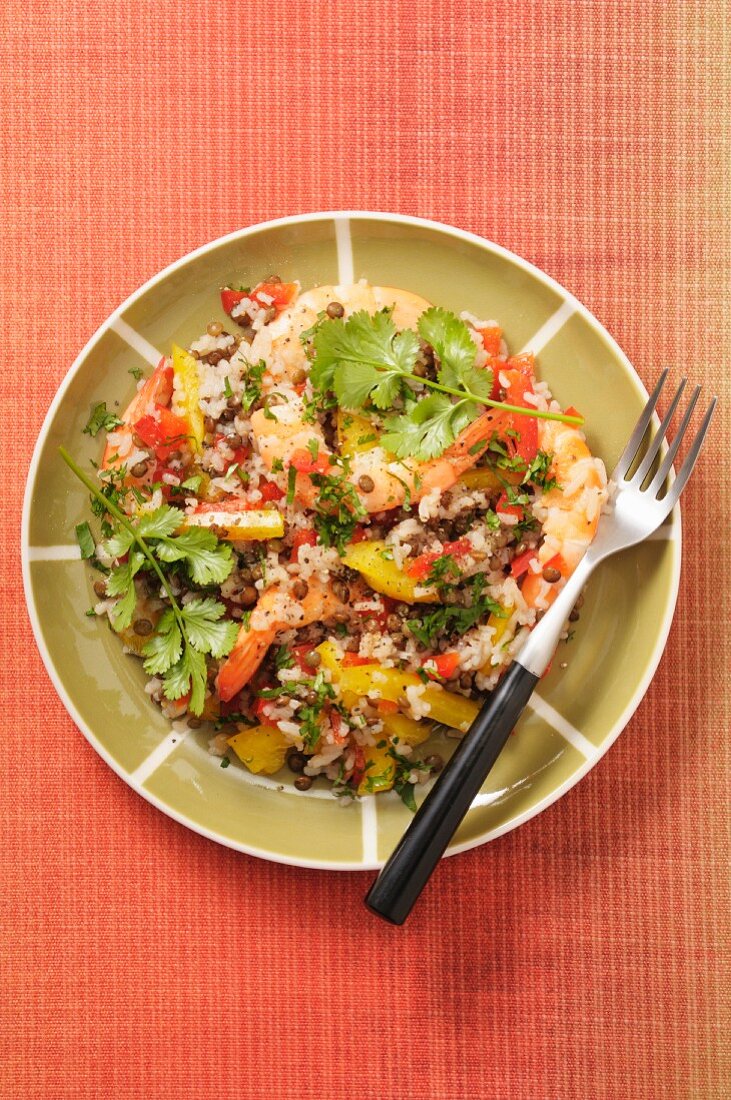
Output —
(139, 469)
(366, 483)
(143, 627)
(296, 762)
(551, 574)
(303, 782)
(335, 309)
(300, 589)
(214, 328)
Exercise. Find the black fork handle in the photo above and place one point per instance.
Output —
(393, 894)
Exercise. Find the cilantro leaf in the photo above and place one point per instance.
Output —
(165, 647)
(363, 341)
(119, 543)
(208, 561)
(163, 521)
(206, 630)
(187, 674)
(455, 350)
(101, 419)
(428, 428)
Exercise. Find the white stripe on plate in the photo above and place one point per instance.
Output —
(369, 825)
(157, 757)
(547, 331)
(545, 711)
(344, 245)
(141, 346)
(54, 553)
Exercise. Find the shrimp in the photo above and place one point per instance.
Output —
(279, 432)
(279, 342)
(569, 514)
(157, 390)
(275, 612)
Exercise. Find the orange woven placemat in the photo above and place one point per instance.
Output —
(586, 954)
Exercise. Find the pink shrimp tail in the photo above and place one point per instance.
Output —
(243, 660)
(473, 440)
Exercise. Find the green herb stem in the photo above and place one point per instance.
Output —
(468, 395)
(123, 519)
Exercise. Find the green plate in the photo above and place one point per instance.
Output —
(577, 712)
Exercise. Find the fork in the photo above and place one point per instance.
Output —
(634, 513)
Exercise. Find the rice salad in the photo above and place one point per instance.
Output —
(328, 526)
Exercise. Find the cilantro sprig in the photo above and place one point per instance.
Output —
(185, 634)
(366, 361)
(101, 419)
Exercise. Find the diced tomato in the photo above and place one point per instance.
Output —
(421, 566)
(304, 463)
(491, 338)
(386, 706)
(520, 564)
(503, 505)
(353, 660)
(359, 533)
(571, 411)
(231, 706)
(495, 365)
(305, 536)
(163, 431)
(445, 665)
(269, 490)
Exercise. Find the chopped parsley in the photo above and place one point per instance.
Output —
(136, 373)
(453, 618)
(101, 419)
(338, 510)
(252, 384)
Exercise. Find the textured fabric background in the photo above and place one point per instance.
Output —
(585, 955)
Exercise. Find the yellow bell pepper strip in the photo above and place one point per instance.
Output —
(407, 730)
(444, 706)
(380, 770)
(382, 573)
(355, 434)
(185, 369)
(261, 748)
(483, 477)
(238, 526)
(499, 624)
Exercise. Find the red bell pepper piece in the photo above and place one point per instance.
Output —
(359, 533)
(305, 536)
(163, 431)
(280, 293)
(491, 337)
(503, 505)
(269, 490)
(353, 660)
(421, 566)
(445, 665)
(304, 463)
(520, 564)
(299, 652)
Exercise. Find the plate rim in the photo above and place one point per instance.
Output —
(298, 219)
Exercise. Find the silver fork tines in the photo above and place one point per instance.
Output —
(635, 442)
